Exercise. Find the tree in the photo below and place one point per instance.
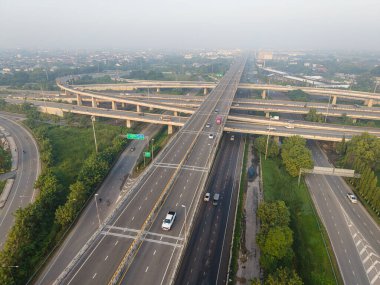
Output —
(283, 276)
(313, 116)
(273, 214)
(277, 242)
(261, 142)
(295, 155)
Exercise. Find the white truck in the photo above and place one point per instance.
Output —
(276, 118)
(168, 221)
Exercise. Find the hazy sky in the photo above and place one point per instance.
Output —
(173, 24)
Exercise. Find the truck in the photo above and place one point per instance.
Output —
(276, 118)
(218, 120)
(167, 223)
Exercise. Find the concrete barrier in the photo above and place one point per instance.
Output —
(6, 191)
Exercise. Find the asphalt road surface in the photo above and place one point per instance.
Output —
(117, 183)
(175, 179)
(22, 192)
(354, 236)
(207, 255)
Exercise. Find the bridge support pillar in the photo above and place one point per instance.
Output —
(175, 113)
(151, 108)
(263, 94)
(129, 124)
(267, 115)
(170, 129)
(123, 105)
(138, 108)
(370, 103)
(79, 100)
(93, 102)
(354, 120)
(334, 100)
(204, 91)
(114, 105)
(158, 90)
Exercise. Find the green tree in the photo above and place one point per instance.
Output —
(283, 276)
(313, 116)
(295, 155)
(273, 214)
(261, 142)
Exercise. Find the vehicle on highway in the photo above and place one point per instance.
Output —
(132, 149)
(289, 126)
(215, 199)
(207, 197)
(352, 198)
(169, 220)
(218, 120)
(271, 128)
(290, 121)
(232, 138)
(237, 105)
(166, 118)
(276, 118)
(208, 125)
(216, 111)
(211, 136)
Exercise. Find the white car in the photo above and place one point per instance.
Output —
(352, 198)
(289, 126)
(232, 138)
(167, 223)
(271, 128)
(208, 125)
(207, 197)
(211, 136)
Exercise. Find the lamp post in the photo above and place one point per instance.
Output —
(152, 149)
(266, 147)
(184, 206)
(93, 128)
(327, 113)
(97, 209)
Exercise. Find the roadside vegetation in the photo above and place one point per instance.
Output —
(362, 153)
(5, 160)
(291, 238)
(71, 173)
(299, 95)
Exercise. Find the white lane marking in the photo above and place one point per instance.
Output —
(146, 270)
(94, 276)
(154, 252)
(116, 242)
(106, 258)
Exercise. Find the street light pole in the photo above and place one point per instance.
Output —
(327, 113)
(93, 128)
(266, 147)
(97, 209)
(152, 149)
(184, 206)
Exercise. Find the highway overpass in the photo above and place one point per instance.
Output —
(369, 98)
(235, 122)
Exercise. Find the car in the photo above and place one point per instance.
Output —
(232, 138)
(215, 199)
(167, 223)
(207, 197)
(237, 105)
(290, 121)
(211, 136)
(289, 126)
(352, 198)
(208, 125)
(271, 128)
(216, 111)
(132, 149)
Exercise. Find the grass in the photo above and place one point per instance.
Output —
(2, 185)
(311, 255)
(236, 241)
(72, 145)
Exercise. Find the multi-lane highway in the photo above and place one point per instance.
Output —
(22, 192)
(354, 236)
(117, 183)
(176, 178)
(207, 255)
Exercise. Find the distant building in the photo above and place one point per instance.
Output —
(265, 55)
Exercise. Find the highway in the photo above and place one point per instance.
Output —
(176, 178)
(22, 192)
(354, 236)
(207, 255)
(117, 184)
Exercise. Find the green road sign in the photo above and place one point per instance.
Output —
(135, 136)
(147, 154)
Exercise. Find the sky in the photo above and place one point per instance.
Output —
(188, 24)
